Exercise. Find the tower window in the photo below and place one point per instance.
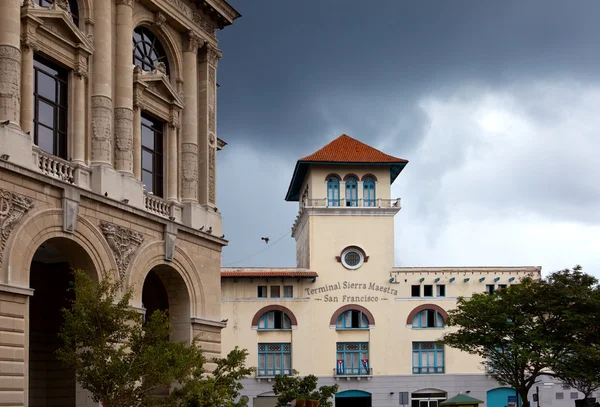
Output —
(352, 259)
(351, 191)
(333, 191)
(368, 191)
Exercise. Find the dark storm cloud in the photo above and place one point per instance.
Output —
(284, 59)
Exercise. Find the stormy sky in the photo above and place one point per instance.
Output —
(496, 105)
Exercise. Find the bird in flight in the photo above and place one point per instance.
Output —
(266, 239)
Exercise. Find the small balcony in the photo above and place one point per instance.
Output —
(353, 373)
(351, 203)
(269, 374)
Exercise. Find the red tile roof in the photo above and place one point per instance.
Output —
(267, 272)
(348, 150)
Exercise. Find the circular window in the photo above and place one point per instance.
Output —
(352, 259)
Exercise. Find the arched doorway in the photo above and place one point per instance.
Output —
(165, 290)
(353, 398)
(501, 397)
(428, 398)
(51, 383)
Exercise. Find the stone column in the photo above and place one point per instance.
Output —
(10, 60)
(124, 88)
(173, 152)
(27, 50)
(189, 139)
(79, 116)
(207, 134)
(102, 112)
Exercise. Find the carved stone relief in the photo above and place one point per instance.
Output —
(211, 175)
(101, 128)
(123, 242)
(192, 42)
(70, 211)
(10, 79)
(125, 2)
(213, 55)
(60, 4)
(189, 170)
(212, 119)
(124, 139)
(12, 209)
(207, 26)
(159, 19)
(170, 240)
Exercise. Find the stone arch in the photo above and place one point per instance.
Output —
(369, 175)
(351, 175)
(269, 308)
(423, 307)
(45, 225)
(167, 39)
(151, 255)
(333, 174)
(341, 310)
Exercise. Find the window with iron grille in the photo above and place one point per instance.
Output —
(148, 52)
(274, 359)
(352, 358)
(428, 357)
(50, 95)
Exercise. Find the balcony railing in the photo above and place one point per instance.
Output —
(353, 372)
(54, 167)
(351, 203)
(267, 373)
(157, 205)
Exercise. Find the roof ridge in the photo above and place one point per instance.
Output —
(348, 149)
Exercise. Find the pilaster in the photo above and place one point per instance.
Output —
(10, 61)
(207, 134)
(79, 79)
(102, 111)
(27, 50)
(189, 139)
(173, 152)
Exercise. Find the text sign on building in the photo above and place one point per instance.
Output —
(356, 292)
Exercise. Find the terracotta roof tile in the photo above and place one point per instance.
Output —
(348, 150)
(267, 272)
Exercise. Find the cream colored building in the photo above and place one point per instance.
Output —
(108, 152)
(346, 314)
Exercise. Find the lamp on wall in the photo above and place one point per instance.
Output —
(4, 157)
(466, 279)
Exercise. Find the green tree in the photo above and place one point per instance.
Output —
(522, 331)
(289, 388)
(123, 361)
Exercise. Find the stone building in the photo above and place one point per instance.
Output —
(108, 152)
(346, 313)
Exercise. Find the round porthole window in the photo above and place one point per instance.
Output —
(352, 259)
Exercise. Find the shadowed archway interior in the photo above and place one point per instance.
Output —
(51, 383)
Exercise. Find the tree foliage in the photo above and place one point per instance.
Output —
(524, 331)
(123, 361)
(289, 388)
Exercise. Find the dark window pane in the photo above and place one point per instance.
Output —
(428, 290)
(46, 86)
(415, 291)
(45, 139)
(147, 137)
(62, 120)
(147, 180)
(147, 161)
(45, 114)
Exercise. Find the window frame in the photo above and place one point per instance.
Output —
(158, 156)
(438, 319)
(490, 288)
(262, 366)
(152, 44)
(279, 318)
(412, 291)
(427, 287)
(60, 105)
(351, 190)
(273, 288)
(342, 349)
(285, 289)
(346, 319)
(369, 191)
(438, 349)
(333, 190)
(259, 289)
(438, 290)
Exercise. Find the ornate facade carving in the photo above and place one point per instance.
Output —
(159, 19)
(213, 55)
(124, 139)
(101, 128)
(189, 170)
(10, 81)
(12, 209)
(212, 119)
(207, 26)
(174, 119)
(125, 2)
(192, 42)
(60, 4)
(123, 242)
(211, 176)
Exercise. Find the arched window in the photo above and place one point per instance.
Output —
(333, 190)
(428, 318)
(368, 191)
(351, 191)
(274, 320)
(352, 319)
(72, 7)
(148, 52)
